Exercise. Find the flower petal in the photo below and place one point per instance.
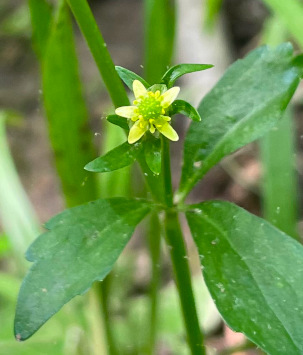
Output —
(138, 89)
(126, 111)
(137, 131)
(169, 96)
(168, 131)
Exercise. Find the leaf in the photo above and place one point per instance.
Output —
(98, 48)
(152, 152)
(248, 101)
(17, 215)
(213, 8)
(186, 109)
(121, 156)
(81, 247)
(159, 36)
(118, 121)
(254, 273)
(177, 71)
(128, 77)
(277, 154)
(41, 19)
(66, 112)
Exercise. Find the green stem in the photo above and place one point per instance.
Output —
(167, 184)
(155, 251)
(175, 241)
(95, 41)
(179, 259)
(103, 292)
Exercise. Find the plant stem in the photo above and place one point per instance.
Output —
(155, 251)
(102, 289)
(95, 41)
(166, 172)
(179, 259)
(175, 241)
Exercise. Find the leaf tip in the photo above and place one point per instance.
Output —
(89, 167)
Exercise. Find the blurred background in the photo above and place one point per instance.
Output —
(207, 31)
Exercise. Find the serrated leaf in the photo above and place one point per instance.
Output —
(186, 109)
(177, 71)
(248, 101)
(152, 153)
(128, 77)
(254, 273)
(118, 121)
(81, 247)
(117, 158)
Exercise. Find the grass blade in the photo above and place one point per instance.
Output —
(66, 112)
(159, 38)
(17, 215)
(41, 19)
(280, 203)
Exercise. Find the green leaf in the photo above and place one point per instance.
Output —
(17, 215)
(41, 19)
(277, 153)
(279, 175)
(121, 156)
(5, 246)
(66, 112)
(159, 36)
(248, 101)
(177, 71)
(186, 109)
(152, 152)
(118, 121)
(254, 273)
(213, 8)
(98, 48)
(128, 77)
(81, 247)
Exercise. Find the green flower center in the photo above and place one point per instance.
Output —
(149, 106)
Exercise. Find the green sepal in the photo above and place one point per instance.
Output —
(118, 121)
(158, 87)
(176, 71)
(186, 109)
(80, 247)
(117, 158)
(128, 77)
(152, 153)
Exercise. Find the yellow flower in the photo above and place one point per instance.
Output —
(149, 112)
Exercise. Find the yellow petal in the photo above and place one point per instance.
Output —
(138, 89)
(137, 131)
(168, 131)
(126, 111)
(169, 96)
